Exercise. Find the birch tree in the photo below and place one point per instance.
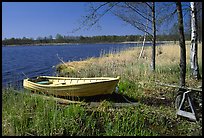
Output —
(194, 42)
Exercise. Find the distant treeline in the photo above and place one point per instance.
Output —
(82, 39)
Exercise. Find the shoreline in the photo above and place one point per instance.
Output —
(59, 44)
(165, 45)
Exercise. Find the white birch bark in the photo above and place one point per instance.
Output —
(194, 43)
(142, 51)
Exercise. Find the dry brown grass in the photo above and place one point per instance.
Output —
(171, 54)
(127, 64)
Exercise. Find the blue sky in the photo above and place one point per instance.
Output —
(40, 19)
(34, 19)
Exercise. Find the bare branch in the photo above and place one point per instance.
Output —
(148, 5)
(107, 10)
(91, 19)
(137, 11)
(135, 24)
(100, 6)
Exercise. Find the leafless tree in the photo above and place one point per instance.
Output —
(133, 13)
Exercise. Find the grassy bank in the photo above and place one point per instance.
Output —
(24, 114)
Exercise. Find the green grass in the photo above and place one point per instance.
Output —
(27, 115)
(155, 114)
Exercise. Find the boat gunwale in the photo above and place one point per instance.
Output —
(93, 78)
(107, 79)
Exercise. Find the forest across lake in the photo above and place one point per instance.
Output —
(60, 39)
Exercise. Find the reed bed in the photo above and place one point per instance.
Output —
(154, 115)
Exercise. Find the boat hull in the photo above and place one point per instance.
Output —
(70, 87)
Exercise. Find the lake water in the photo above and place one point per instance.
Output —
(32, 61)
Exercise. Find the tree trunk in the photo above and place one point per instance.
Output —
(153, 36)
(199, 20)
(142, 51)
(194, 43)
(182, 45)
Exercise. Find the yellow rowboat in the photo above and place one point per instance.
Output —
(64, 86)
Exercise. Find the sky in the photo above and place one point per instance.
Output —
(40, 19)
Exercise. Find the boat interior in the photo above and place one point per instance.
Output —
(70, 81)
